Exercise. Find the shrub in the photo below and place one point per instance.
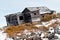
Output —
(47, 17)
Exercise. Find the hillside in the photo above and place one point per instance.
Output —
(58, 15)
(29, 30)
(24, 29)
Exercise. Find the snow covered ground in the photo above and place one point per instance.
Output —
(3, 36)
(46, 24)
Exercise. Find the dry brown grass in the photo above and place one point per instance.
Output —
(12, 30)
(58, 15)
(48, 17)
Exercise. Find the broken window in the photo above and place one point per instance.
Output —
(42, 15)
(21, 17)
(14, 22)
(14, 17)
(27, 17)
(34, 13)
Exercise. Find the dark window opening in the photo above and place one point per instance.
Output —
(52, 12)
(27, 18)
(34, 13)
(14, 23)
(14, 17)
(42, 16)
(21, 17)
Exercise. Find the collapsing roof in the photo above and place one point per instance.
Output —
(18, 13)
(28, 15)
(37, 8)
(42, 9)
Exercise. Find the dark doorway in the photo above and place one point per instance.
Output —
(21, 17)
(27, 18)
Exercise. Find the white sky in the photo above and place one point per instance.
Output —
(12, 6)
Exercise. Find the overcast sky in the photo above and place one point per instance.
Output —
(13, 6)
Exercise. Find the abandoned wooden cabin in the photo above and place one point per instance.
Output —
(28, 15)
